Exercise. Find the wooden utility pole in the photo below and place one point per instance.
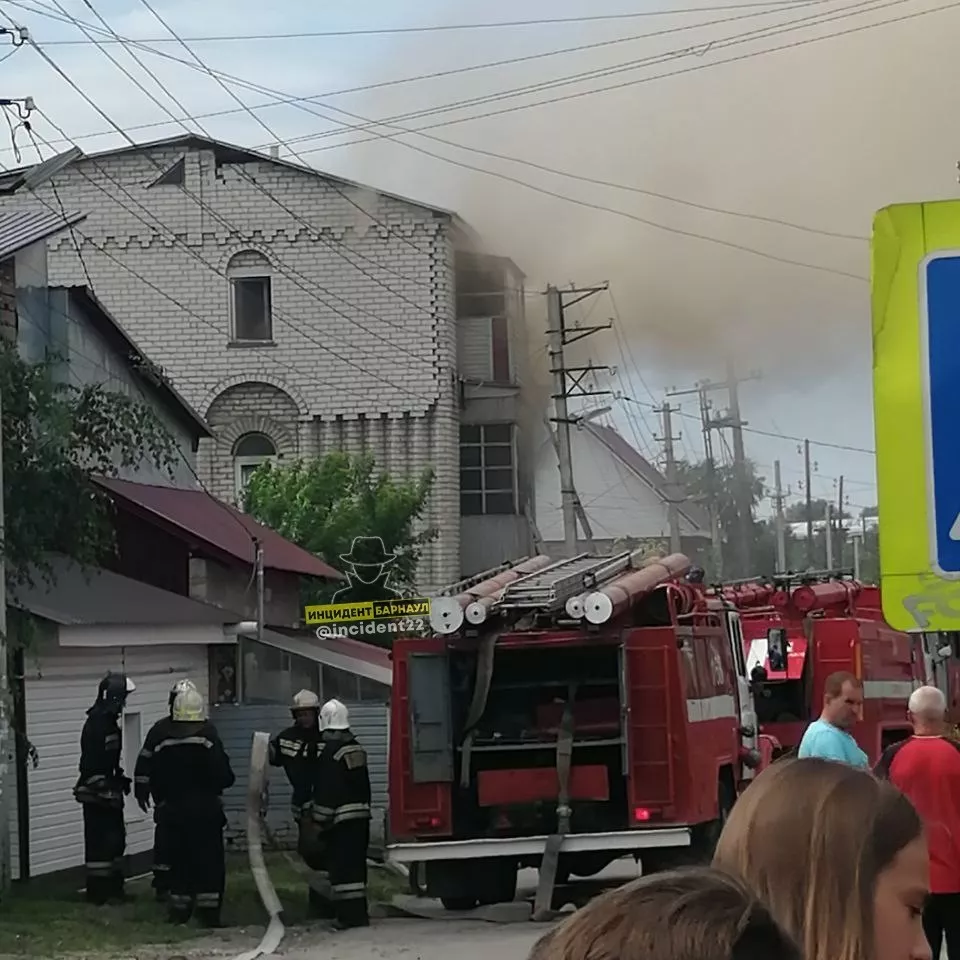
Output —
(779, 521)
(841, 530)
(673, 487)
(741, 493)
(809, 512)
(568, 382)
(828, 532)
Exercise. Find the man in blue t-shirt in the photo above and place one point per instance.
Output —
(829, 737)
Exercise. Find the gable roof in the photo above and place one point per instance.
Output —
(21, 228)
(232, 153)
(111, 330)
(212, 525)
(92, 596)
(645, 472)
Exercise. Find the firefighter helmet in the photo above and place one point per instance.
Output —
(305, 700)
(334, 716)
(179, 687)
(188, 706)
(114, 689)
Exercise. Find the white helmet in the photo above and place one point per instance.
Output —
(334, 716)
(188, 706)
(305, 700)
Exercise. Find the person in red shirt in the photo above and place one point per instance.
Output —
(926, 767)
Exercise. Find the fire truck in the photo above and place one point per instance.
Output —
(798, 629)
(563, 715)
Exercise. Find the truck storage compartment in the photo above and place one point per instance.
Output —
(505, 765)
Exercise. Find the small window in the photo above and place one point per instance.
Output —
(251, 298)
(249, 452)
(488, 476)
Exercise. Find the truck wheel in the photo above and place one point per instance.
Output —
(458, 903)
(706, 835)
(499, 882)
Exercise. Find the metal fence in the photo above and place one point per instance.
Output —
(237, 724)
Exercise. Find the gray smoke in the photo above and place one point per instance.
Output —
(822, 134)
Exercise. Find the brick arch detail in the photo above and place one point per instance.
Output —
(240, 379)
(251, 246)
(280, 436)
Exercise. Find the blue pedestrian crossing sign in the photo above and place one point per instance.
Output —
(940, 339)
(916, 345)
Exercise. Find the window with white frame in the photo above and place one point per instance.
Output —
(249, 452)
(251, 298)
(488, 473)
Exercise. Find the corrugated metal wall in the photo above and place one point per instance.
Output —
(60, 685)
(237, 725)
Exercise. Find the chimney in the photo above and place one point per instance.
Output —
(275, 151)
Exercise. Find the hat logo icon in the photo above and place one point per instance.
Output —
(367, 565)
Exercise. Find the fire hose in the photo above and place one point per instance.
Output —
(268, 894)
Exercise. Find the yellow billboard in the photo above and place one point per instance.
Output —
(915, 279)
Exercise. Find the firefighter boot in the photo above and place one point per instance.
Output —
(97, 891)
(352, 913)
(318, 907)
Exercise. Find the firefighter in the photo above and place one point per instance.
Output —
(101, 789)
(341, 808)
(189, 770)
(297, 750)
(141, 788)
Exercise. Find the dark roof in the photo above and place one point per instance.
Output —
(110, 329)
(211, 524)
(92, 596)
(21, 228)
(645, 471)
(29, 178)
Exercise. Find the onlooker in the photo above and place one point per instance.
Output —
(697, 914)
(838, 856)
(926, 767)
(829, 737)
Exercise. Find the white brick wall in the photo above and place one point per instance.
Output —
(364, 316)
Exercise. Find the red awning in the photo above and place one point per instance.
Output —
(196, 515)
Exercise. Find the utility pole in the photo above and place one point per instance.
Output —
(673, 493)
(568, 382)
(828, 532)
(809, 513)
(742, 494)
(779, 521)
(856, 555)
(261, 612)
(841, 530)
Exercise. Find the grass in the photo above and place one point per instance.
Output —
(48, 919)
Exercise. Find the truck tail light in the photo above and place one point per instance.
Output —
(431, 823)
(641, 814)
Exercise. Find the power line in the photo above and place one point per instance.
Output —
(695, 50)
(649, 78)
(779, 436)
(441, 27)
(690, 234)
(395, 82)
(597, 181)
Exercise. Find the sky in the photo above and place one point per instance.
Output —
(741, 151)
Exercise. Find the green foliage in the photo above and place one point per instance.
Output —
(703, 485)
(55, 438)
(322, 504)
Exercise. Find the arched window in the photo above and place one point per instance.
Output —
(249, 452)
(251, 297)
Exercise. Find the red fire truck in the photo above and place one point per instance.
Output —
(567, 713)
(799, 629)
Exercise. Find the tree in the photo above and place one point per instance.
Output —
(322, 504)
(702, 485)
(56, 438)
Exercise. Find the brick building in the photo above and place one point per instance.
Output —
(299, 313)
